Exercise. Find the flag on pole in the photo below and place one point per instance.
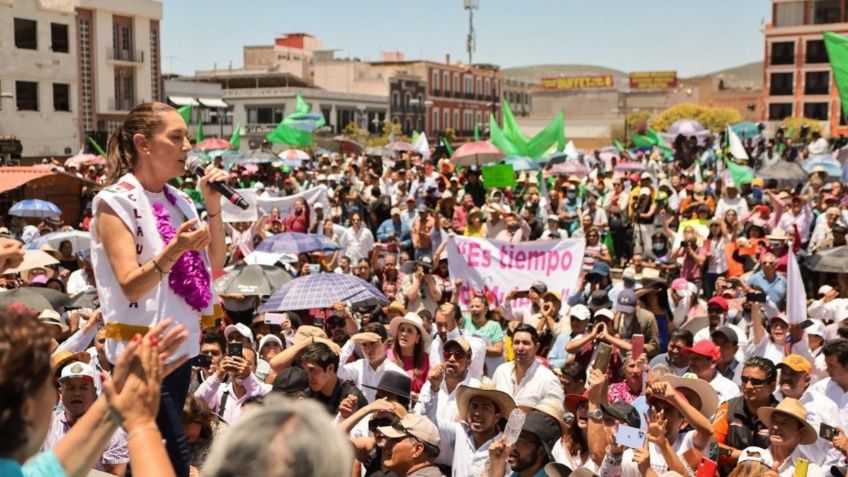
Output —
(640, 141)
(235, 138)
(796, 296)
(392, 136)
(477, 132)
(737, 150)
(185, 112)
(837, 52)
(447, 146)
(199, 137)
(421, 145)
(740, 174)
(609, 245)
(97, 147)
(618, 145)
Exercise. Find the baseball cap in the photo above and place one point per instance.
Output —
(241, 329)
(425, 261)
(816, 328)
(718, 301)
(417, 426)
(646, 175)
(681, 287)
(267, 339)
(604, 312)
(539, 287)
(580, 312)
(727, 332)
(77, 369)
(623, 412)
(796, 362)
(461, 342)
(825, 289)
(704, 348)
(626, 302)
(600, 269)
(756, 454)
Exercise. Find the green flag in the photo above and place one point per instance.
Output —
(285, 134)
(618, 145)
(837, 52)
(199, 137)
(301, 106)
(640, 141)
(477, 132)
(97, 147)
(447, 146)
(510, 127)
(235, 138)
(185, 112)
(740, 174)
(500, 139)
(657, 139)
(552, 134)
(609, 245)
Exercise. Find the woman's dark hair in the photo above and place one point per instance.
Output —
(53, 280)
(25, 347)
(195, 411)
(144, 119)
(763, 363)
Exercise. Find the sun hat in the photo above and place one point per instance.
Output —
(464, 395)
(415, 425)
(414, 320)
(793, 408)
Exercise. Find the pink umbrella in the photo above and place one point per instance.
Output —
(250, 168)
(212, 144)
(570, 168)
(399, 146)
(476, 153)
(81, 160)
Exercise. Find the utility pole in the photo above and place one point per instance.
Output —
(470, 41)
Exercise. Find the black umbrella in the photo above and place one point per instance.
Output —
(787, 174)
(832, 260)
(84, 299)
(28, 297)
(252, 280)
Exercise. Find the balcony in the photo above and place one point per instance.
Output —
(116, 104)
(437, 92)
(125, 56)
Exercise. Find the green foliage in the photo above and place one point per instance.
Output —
(449, 135)
(714, 119)
(637, 121)
(793, 125)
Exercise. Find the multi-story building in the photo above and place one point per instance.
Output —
(208, 106)
(517, 94)
(408, 102)
(74, 68)
(797, 78)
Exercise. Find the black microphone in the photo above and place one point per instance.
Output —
(194, 165)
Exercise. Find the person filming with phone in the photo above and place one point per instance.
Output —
(233, 383)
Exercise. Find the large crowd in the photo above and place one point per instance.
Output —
(680, 351)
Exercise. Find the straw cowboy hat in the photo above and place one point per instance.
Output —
(464, 395)
(706, 393)
(414, 320)
(793, 408)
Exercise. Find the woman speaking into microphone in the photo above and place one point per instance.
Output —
(152, 257)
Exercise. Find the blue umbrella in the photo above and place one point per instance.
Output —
(521, 163)
(296, 243)
(36, 208)
(746, 129)
(322, 290)
(825, 162)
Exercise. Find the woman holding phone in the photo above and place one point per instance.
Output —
(152, 257)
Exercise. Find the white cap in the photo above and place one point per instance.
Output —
(268, 338)
(241, 329)
(646, 175)
(318, 205)
(322, 177)
(756, 454)
(259, 186)
(581, 312)
(77, 369)
(825, 289)
(817, 328)
(605, 312)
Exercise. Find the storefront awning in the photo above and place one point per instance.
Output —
(183, 100)
(14, 177)
(213, 103)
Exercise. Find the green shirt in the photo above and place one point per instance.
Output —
(491, 330)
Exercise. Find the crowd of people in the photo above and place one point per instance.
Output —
(679, 352)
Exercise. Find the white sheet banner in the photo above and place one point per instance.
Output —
(496, 267)
(313, 196)
(230, 213)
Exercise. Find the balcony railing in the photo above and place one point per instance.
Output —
(129, 56)
(116, 104)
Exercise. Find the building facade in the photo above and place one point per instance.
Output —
(74, 68)
(408, 102)
(797, 79)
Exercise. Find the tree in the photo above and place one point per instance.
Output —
(794, 125)
(637, 121)
(714, 119)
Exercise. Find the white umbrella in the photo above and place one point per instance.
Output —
(79, 240)
(33, 259)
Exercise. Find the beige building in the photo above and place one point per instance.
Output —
(74, 68)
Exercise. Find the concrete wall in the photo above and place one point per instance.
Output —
(44, 132)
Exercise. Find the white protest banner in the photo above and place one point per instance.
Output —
(230, 213)
(312, 196)
(796, 296)
(497, 268)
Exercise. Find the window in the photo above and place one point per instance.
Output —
(816, 52)
(823, 11)
(446, 82)
(456, 86)
(780, 84)
(26, 95)
(406, 98)
(59, 37)
(456, 125)
(469, 88)
(486, 90)
(478, 119)
(779, 111)
(479, 88)
(395, 99)
(816, 111)
(435, 119)
(789, 14)
(783, 53)
(436, 80)
(265, 114)
(446, 119)
(26, 34)
(466, 121)
(817, 82)
(61, 97)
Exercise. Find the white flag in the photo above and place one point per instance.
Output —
(796, 296)
(422, 146)
(571, 150)
(737, 150)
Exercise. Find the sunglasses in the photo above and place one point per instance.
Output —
(373, 424)
(754, 381)
(453, 354)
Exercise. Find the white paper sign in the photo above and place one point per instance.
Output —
(312, 196)
(230, 213)
(497, 268)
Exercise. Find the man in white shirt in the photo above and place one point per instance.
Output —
(367, 371)
(447, 329)
(357, 240)
(835, 386)
(703, 361)
(225, 398)
(525, 379)
(788, 432)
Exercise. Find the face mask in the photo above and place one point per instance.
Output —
(570, 195)
(658, 249)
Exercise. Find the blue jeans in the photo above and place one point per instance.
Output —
(170, 418)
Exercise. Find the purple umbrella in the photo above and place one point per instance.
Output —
(631, 166)
(570, 168)
(295, 243)
(323, 290)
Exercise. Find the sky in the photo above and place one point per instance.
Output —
(692, 37)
